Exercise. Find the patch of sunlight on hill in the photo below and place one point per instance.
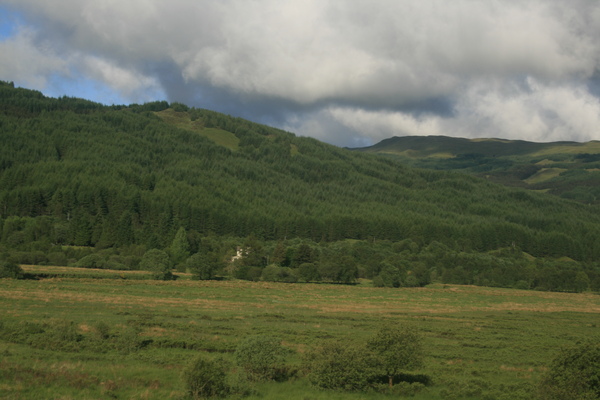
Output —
(544, 175)
(182, 121)
(418, 154)
(490, 140)
(576, 148)
(545, 161)
(294, 150)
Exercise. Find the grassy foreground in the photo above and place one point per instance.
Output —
(121, 337)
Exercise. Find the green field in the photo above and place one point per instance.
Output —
(122, 337)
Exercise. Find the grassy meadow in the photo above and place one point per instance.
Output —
(81, 334)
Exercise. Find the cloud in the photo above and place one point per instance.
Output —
(346, 73)
(130, 84)
(29, 62)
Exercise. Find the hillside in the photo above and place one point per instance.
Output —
(567, 169)
(78, 175)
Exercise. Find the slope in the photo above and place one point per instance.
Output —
(73, 172)
(567, 169)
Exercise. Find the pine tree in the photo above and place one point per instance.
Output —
(180, 247)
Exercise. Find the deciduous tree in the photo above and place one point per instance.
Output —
(397, 349)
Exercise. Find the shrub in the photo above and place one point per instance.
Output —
(378, 281)
(89, 261)
(201, 266)
(574, 374)
(58, 335)
(57, 258)
(340, 366)
(274, 273)
(10, 270)
(521, 285)
(205, 378)
(309, 272)
(102, 330)
(158, 262)
(248, 273)
(262, 357)
(128, 341)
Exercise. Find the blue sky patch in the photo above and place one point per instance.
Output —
(9, 22)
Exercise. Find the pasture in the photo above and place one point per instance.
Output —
(108, 334)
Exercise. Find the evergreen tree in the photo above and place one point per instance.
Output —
(180, 247)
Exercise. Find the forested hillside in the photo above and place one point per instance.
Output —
(78, 177)
(568, 169)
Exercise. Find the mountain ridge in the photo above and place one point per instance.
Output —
(565, 168)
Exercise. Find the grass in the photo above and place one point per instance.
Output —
(592, 147)
(110, 337)
(182, 120)
(545, 174)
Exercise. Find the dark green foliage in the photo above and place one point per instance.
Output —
(389, 276)
(262, 357)
(509, 162)
(180, 247)
(157, 262)
(76, 175)
(102, 330)
(10, 270)
(248, 273)
(574, 374)
(202, 266)
(309, 272)
(205, 379)
(303, 254)
(274, 273)
(90, 261)
(340, 366)
(396, 349)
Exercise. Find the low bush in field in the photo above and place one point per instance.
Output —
(263, 358)
(10, 270)
(381, 360)
(205, 378)
(574, 374)
(339, 366)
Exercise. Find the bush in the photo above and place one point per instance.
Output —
(58, 335)
(90, 261)
(274, 273)
(340, 366)
(205, 378)
(201, 266)
(262, 357)
(10, 270)
(574, 374)
(158, 262)
(248, 273)
(128, 341)
(378, 281)
(57, 258)
(309, 272)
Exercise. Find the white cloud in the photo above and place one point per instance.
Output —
(28, 62)
(131, 85)
(538, 113)
(363, 70)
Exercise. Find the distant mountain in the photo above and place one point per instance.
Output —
(77, 173)
(567, 169)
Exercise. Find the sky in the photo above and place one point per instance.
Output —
(347, 72)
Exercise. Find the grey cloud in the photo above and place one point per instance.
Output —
(345, 72)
